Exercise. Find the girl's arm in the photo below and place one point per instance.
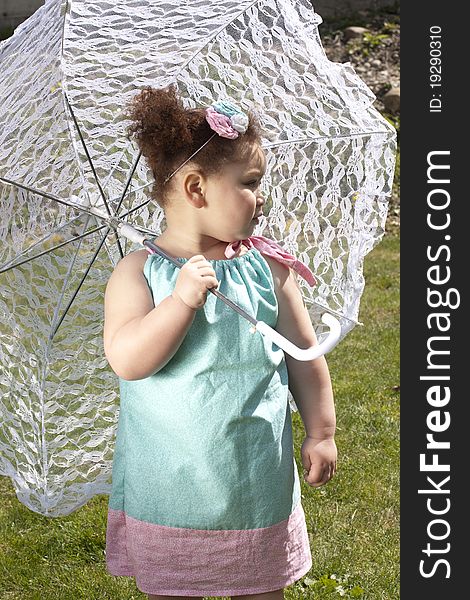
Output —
(139, 338)
(309, 381)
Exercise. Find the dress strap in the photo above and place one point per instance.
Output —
(273, 250)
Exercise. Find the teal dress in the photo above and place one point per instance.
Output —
(205, 493)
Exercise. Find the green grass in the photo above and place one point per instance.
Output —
(353, 521)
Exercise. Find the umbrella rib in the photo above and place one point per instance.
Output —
(281, 143)
(224, 26)
(115, 166)
(73, 239)
(74, 118)
(37, 243)
(138, 189)
(52, 248)
(330, 310)
(49, 196)
(61, 295)
(103, 239)
(129, 179)
(95, 175)
(320, 137)
(72, 204)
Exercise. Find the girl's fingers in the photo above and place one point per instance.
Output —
(330, 471)
(318, 482)
(200, 262)
(205, 270)
(197, 258)
(315, 473)
(324, 477)
(326, 474)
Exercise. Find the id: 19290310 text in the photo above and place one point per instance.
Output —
(435, 68)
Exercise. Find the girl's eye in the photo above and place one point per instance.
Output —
(251, 182)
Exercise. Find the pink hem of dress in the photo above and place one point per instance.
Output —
(226, 592)
(248, 561)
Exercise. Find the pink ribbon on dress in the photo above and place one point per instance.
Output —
(272, 249)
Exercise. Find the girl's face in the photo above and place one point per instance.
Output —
(234, 199)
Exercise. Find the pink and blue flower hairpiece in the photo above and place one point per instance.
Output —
(225, 119)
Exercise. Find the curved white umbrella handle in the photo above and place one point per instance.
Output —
(307, 353)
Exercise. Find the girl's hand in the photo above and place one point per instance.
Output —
(319, 460)
(196, 276)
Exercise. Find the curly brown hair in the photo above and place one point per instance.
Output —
(167, 133)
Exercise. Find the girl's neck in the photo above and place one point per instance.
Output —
(212, 249)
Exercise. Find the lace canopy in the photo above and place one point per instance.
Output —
(65, 76)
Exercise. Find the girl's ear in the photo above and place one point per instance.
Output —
(193, 185)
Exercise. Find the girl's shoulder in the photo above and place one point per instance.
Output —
(129, 268)
(284, 278)
(133, 260)
(279, 271)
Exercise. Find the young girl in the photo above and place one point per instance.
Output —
(205, 496)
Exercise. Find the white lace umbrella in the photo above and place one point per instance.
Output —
(65, 76)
